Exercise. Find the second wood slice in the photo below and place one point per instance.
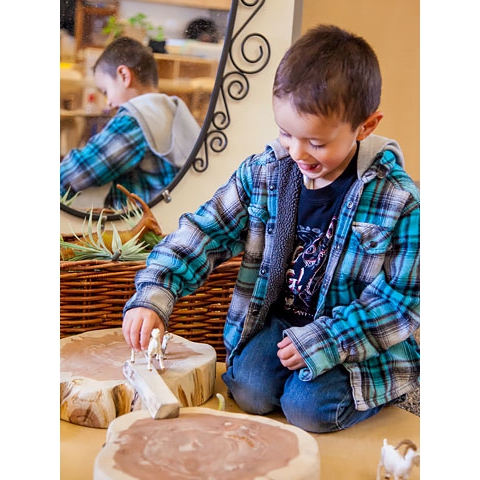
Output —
(94, 390)
(202, 443)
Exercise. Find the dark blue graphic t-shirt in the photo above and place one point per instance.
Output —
(317, 219)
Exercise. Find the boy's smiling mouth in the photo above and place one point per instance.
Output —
(309, 167)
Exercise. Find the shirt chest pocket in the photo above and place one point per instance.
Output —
(372, 239)
(366, 251)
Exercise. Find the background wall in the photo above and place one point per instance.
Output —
(392, 27)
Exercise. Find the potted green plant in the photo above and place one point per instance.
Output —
(124, 28)
(113, 28)
(139, 28)
(157, 40)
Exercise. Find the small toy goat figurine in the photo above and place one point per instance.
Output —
(155, 349)
(394, 463)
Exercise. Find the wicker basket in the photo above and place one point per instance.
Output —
(93, 294)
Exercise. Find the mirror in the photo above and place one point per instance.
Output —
(243, 54)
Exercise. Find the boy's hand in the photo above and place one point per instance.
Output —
(289, 356)
(137, 327)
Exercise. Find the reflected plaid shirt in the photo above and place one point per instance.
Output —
(119, 153)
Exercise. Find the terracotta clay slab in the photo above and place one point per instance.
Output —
(206, 443)
(94, 390)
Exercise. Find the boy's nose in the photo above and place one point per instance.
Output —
(296, 150)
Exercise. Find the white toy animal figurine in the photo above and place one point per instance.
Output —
(166, 338)
(155, 349)
(394, 463)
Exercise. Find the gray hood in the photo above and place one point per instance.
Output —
(169, 127)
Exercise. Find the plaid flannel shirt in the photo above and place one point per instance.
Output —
(368, 306)
(119, 153)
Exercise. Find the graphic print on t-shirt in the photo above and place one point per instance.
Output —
(317, 218)
(307, 268)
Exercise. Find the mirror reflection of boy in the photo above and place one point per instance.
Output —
(326, 302)
(147, 141)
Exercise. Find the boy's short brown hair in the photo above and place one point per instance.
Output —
(329, 71)
(131, 53)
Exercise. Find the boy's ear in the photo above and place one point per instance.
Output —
(125, 75)
(369, 125)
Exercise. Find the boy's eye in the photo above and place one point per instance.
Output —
(284, 134)
(316, 146)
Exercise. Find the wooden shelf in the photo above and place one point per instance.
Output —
(209, 4)
(89, 22)
(182, 66)
(195, 92)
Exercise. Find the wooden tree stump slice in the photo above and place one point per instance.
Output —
(94, 390)
(206, 443)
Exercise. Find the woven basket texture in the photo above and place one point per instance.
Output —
(93, 294)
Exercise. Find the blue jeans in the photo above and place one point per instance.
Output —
(260, 384)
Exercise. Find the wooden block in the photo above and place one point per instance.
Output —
(157, 397)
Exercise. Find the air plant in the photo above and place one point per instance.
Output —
(127, 245)
(92, 246)
(133, 217)
(68, 201)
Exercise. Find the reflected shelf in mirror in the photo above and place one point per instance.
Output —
(213, 4)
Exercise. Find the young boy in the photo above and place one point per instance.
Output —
(327, 297)
(147, 141)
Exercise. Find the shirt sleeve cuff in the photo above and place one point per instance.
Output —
(316, 347)
(160, 300)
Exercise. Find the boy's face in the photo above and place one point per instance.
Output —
(321, 147)
(114, 88)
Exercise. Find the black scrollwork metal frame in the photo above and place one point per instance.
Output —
(233, 84)
(229, 85)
